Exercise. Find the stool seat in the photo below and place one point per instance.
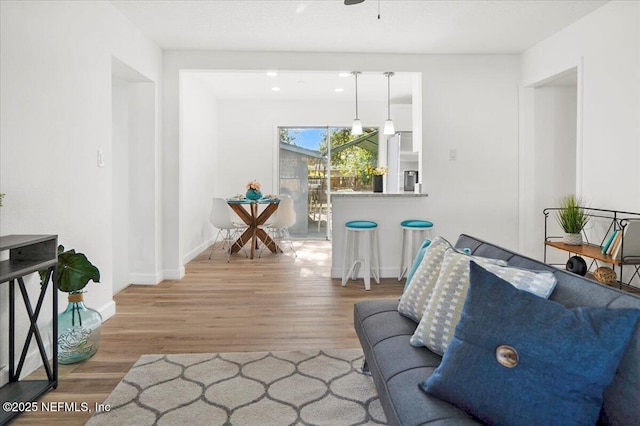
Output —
(413, 223)
(361, 224)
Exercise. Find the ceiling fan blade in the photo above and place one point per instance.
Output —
(350, 2)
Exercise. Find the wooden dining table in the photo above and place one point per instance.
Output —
(254, 219)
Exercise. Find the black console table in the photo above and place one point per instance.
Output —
(28, 254)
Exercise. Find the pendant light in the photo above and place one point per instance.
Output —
(356, 128)
(388, 125)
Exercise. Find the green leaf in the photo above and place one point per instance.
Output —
(75, 271)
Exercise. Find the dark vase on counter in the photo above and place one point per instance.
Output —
(377, 183)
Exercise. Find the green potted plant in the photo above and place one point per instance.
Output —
(78, 326)
(572, 218)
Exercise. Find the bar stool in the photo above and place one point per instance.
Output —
(352, 249)
(409, 229)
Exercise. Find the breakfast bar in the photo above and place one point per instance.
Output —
(387, 210)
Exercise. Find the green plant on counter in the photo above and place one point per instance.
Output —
(1, 197)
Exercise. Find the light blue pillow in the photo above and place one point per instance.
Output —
(527, 360)
(416, 262)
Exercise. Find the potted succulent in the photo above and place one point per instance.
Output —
(78, 326)
(572, 218)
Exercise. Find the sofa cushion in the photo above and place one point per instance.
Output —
(546, 364)
(414, 407)
(442, 313)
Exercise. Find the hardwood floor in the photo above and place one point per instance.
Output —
(267, 304)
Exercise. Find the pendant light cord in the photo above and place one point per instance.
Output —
(389, 74)
(356, 73)
(389, 96)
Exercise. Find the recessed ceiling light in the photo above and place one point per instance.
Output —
(344, 74)
(339, 89)
(272, 73)
(275, 89)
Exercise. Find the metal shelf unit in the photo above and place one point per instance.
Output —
(29, 254)
(617, 221)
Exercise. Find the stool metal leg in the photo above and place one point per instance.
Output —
(348, 250)
(367, 262)
(376, 255)
(402, 250)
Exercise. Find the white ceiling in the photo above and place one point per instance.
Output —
(298, 85)
(415, 26)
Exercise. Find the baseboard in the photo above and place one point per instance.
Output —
(197, 251)
(145, 279)
(107, 310)
(174, 274)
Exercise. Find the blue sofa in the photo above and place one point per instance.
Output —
(397, 368)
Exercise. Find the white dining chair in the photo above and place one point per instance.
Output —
(227, 229)
(285, 217)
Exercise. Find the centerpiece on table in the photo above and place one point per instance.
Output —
(253, 190)
(377, 173)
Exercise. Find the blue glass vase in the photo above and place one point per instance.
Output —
(78, 331)
(253, 194)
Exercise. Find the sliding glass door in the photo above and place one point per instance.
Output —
(313, 162)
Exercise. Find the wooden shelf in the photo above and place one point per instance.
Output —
(587, 250)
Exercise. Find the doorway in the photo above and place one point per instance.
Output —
(550, 153)
(134, 167)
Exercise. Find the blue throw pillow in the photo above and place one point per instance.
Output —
(519, 359)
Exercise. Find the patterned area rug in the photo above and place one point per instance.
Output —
(246, 388)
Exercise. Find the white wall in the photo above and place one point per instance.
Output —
(55, 109)
(469, 103)
(470, 106)
(605, 45)
(201, 177)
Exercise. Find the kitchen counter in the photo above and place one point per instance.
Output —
(376, 194)
(387, 210)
